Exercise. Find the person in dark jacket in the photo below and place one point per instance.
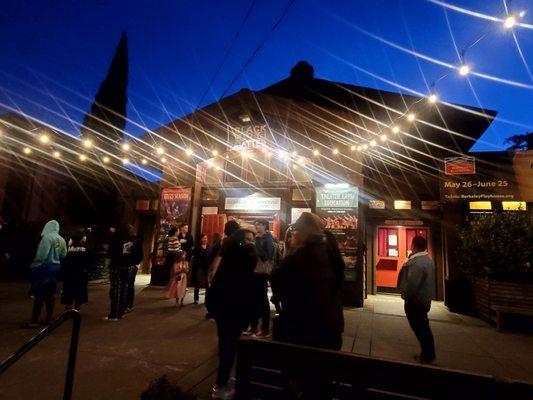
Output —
(199, 266)
(229, 300)
(307, 288)
(74, 268)
(137, 256)
(186, 240)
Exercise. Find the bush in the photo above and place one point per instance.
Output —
(498, 246)
(162, 389)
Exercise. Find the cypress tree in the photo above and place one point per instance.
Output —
(108, 111)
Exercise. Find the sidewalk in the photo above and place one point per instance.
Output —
(117, 360)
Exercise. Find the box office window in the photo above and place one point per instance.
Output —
(514, 206)
(388, 242)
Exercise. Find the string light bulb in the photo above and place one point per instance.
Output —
(373, 143)
(163, 160)
(83, 157)
(87, 143)
(316, 152)
(396, 129)
(353, 148)
(215, 152)
(509, 22)
(44, 138)
(294, 153)
(464, 70)
(125, 161)
(365, 146)
(189, 152)
(411, 117)
(383, 138)
(433, 98)
(57, 154)
(26, 150)
(359, 148)
(522, 14)
(160, 150)
(335, 151)
(125, 146)
(144, 161)
(105, 159)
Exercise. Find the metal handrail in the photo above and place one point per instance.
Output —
(73, 350)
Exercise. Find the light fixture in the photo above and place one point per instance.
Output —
(294, 153)
(125, 146)
(464, 70)
(57, 154)
(245, 118)
(433, 98)
(395, 129)
(373, 143)
(189, 152)
(83, 157)
(160, 150)
(522, 14)
(215, 152)
(87, 143)
(411, 117)
(353, 148)
(383, 138)
(26, 150)
(144, 161)
(365, 146)
(44, 138)
(105, 159)
(359, 148)
(125, 161)
(335, 151)
(163, 160)
(316, 152)
(294, 166)
(509, 22)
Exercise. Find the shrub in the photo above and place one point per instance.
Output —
(162, 389)
(498, 246)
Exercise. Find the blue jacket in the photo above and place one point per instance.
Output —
(416, 280)
(52, 247)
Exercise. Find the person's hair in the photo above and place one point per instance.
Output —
(231, 227)
(419, 243)
(172, 231)
(200, 237)
(184, 224)
(217, 237)
(182, 256)
(77, 238)
(263, 222)
(238, 236)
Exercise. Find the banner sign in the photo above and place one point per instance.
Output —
(376, 204)
(459, 165)
(253, 203)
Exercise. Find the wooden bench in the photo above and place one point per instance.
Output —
(268, 370)
(500, 310)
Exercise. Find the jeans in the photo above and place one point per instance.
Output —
(228, 331)
(261, 303)
(417, 315)
(118, 280)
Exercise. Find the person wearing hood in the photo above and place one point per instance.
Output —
(44, 271)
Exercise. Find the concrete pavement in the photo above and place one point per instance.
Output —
(117, 360)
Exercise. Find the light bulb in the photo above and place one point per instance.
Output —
(316, 152)
(294, 153)
(57, 154)
(373, 143)
(509, 22)
(215, 152)
(125, 161)
(353, 148)
(87, 143)
(383, 138)
(335, 151)
(163, 160)
(125, 146)
(26, 150)
(144, 161)
(160, 150)
(105, 159)
(359, 148)
(464, 70)
(365, 146)
(522, 14)
(189, 152)
(83, 157)
(433, 98)
(44, 138)
(411, 117)
(395, 129)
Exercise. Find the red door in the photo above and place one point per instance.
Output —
(393, 248)
(211, 224)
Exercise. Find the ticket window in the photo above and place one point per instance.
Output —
(393, 249)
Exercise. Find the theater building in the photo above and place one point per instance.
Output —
(379, 167)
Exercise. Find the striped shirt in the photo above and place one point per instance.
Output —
(174, 244)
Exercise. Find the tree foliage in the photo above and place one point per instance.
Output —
(520, 142)
(498, 246)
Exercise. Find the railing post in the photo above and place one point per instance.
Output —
(72, 353)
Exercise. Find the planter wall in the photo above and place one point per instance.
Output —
(490, 293)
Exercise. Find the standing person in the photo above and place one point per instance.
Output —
(44, 271)
(416, 282)
(136, 257)
(177, 286)
(186, 240)
(230, 228)
(306, 286)
(4, 244)
(120, 255)
(74, 270)
(228, 300)
(173, 242)
(199, 266)
(265, 250)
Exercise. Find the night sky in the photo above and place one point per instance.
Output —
(54, 54)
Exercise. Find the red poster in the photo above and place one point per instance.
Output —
(460, 165)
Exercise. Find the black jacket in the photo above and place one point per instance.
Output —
(307, 288)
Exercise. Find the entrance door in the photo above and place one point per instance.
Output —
(393, 248)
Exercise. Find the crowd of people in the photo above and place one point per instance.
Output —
(305, 273)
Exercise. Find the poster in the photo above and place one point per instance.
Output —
(296, 212)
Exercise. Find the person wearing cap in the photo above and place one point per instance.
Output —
(305, 285)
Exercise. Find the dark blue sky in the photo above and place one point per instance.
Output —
(54, 54)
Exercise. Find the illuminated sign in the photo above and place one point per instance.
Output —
(376, 204)
(459, 165)
(247, 136)
(253, 203)
(402, 204)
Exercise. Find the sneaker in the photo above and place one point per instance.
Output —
(261, 335)
(249, 332)
(222, 392)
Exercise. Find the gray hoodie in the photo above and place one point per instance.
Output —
(416, 280)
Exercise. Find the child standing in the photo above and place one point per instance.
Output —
(74, 271)
(177, 287)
